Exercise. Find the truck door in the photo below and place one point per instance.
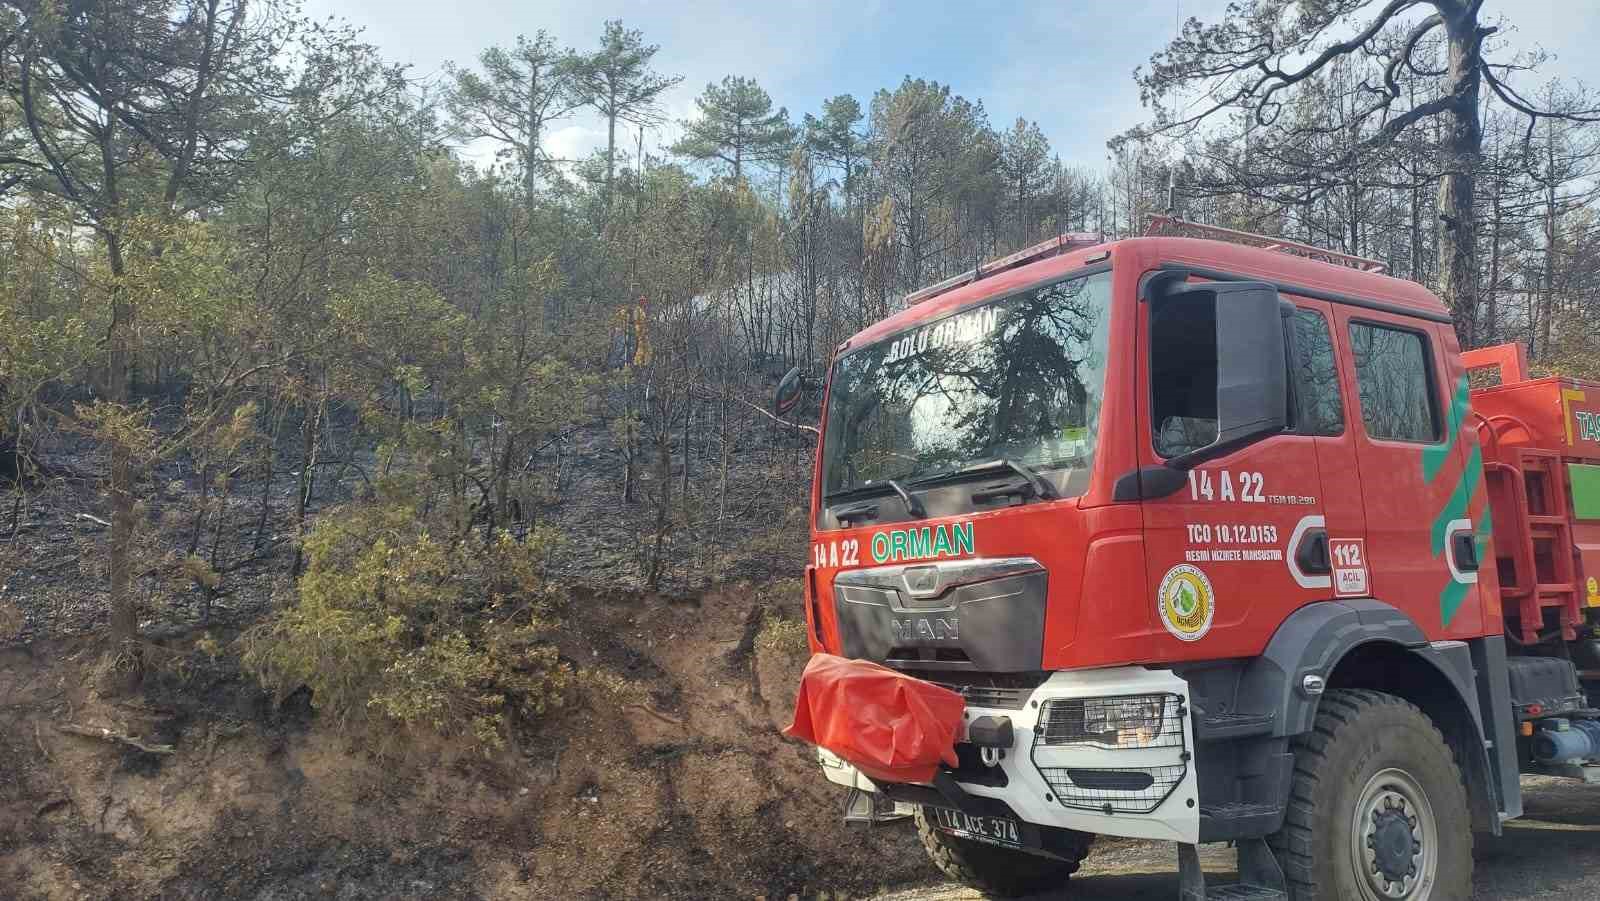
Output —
(1328, 555)
(1218, 574)
(1416, 478)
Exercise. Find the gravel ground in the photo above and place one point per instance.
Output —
(1551, 852)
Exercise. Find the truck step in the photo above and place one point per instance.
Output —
(862, 808)
(1236, 820)
(1261, 879)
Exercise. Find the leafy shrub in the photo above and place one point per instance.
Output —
(392, 623)
(783, 636)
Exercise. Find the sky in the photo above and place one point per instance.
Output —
(1066, 64)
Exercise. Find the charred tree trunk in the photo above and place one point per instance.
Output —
(1460, 150)
(663, 505)
(124, 614)
(310, 427)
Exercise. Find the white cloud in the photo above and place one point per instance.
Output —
(574, 142)
(1065, 65)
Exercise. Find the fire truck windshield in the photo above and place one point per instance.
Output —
(1017, 379)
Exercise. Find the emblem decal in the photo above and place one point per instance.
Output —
(1186, 602)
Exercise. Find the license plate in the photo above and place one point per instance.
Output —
(1001, 831)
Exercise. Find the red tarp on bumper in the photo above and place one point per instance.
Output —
(892, 727)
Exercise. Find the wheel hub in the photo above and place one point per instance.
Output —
(1392, 838)
(1393, 843)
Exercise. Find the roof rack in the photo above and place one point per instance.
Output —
(1058, 245)
(1172, 226)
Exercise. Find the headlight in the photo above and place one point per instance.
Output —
(1132, 721)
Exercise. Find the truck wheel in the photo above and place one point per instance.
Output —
(999, 872)
(1378, 810)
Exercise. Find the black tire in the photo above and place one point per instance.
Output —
(1381, 754)
(1000, 872)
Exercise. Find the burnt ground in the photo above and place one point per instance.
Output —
(670, 783)
(663, 776)
(1551, 852)
(53, 534)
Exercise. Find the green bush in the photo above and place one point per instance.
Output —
(393, 624)
(783, 636)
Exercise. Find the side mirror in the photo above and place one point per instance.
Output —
(1252, 365)
(790, 390)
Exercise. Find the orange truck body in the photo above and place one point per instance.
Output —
(1391, 529)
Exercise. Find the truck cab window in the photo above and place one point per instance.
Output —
(1317, 377)
(1183, 373)
(1019, 378)
(1397, 400)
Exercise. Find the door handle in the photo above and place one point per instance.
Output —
(1464, 550)
(1312, 553)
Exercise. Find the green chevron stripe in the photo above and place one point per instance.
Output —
(1456, 507)
(1434, 458)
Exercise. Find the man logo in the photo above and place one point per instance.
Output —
(926, 628)
(922, 580)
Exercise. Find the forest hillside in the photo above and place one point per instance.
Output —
(382, 489)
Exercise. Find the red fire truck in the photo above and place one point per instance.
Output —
(1205, 538)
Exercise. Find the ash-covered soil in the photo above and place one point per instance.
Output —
(675, 786)
(747, 524)
(672, 783)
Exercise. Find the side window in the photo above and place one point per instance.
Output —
(1316, 381)
(1183, 374)
(1392, 376)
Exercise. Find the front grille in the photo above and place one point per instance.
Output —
(1094, 722)
(956, 617)
(1126, 790)
(1002, 691)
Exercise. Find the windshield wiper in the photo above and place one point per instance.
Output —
(912, 502)
(1041, 486)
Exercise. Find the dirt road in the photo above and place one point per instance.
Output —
(1552, 852)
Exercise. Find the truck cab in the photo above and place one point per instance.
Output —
(1186, 523)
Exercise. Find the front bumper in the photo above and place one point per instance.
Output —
(1175, 818)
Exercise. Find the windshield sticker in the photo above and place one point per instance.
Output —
(964, 328)
(919, 544)
(1186, 603)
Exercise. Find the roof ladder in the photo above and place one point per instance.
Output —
(1172, 226)
(1055, 246)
